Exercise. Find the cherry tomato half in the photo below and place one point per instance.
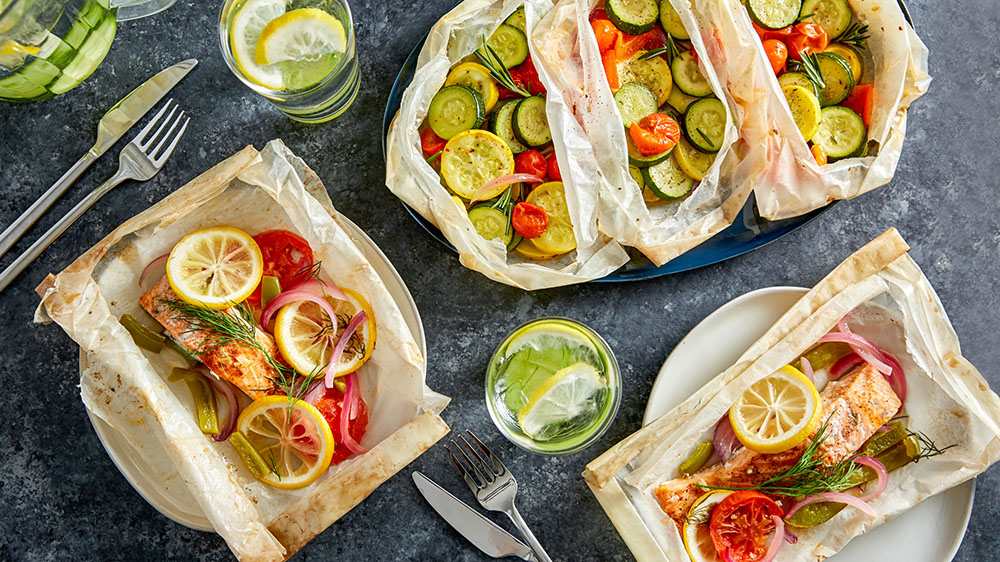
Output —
(605, 32)
(529, 220)
(506, 94)
(331, 405)
(781, 34)
(741, 524)
(655, 134)
(807, 38)
(777, 54)
(530, 162)
(553, 165)
(286, 256)
(530, 76)
(430, 142)
(862, 101)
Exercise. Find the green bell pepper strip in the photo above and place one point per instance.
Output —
(141, 335)
(251, 458)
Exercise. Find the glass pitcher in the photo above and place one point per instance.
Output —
(49, 47)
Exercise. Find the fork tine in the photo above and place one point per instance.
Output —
(166, 120)
(462, 470)
(491, 474)
(170, 149)
(149, 126)
(480, 477)
(499, 468)
(166, 137)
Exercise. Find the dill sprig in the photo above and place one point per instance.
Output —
(307, 272)
(808, 476)
(927, 447)
(704, 136)
(810, 65)
(499, 72)
(856, 35)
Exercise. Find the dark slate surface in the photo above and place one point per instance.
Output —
(62, 497)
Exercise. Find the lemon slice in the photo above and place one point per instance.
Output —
(292, 438)
(697, 540)
(305, 338)
(565, 395)
(215, 267)
(244, 33)
(558, 237)
(777, 412)
(471, 159)
(306, 34)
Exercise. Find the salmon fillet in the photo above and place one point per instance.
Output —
(857, 405)
(244, 366)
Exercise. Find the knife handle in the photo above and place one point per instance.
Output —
(17, 229)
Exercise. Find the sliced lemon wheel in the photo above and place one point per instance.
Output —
(292, 438)
(697, 540)
(306, 337)
(305, 34)
(472, 158)
(777, 412)
(476, 76)
(558, 237)
(215, 267)
(244, 33)
(565, 395)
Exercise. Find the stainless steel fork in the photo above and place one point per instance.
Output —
(139, 160)
(493, 485)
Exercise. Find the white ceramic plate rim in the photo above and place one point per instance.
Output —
(131, 465)
(662, 397)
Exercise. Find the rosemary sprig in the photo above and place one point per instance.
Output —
(492, 61)
(504, 204)
(704, 136)
(804, 16)
(434, 156)
(927, 447)
(653, 53)
(810, 65)
(672, 50)
(856, 35)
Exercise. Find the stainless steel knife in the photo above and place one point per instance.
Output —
(112, 126)
(480, 531)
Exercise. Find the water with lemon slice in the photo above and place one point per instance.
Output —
(553, 386)
(297, 53)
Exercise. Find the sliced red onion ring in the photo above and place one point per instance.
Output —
(777, 539)
(724, 440)
(807, 370)
(226, 390)
(352, 326)
(897, 380)
(504, 180)
(352, 394)
(319, 287)
(866, 349)
(315, 393)
(151, 266)
(883, 476)
(838, 497)
(842, 324)
(844, 365)
(289, 297)
(790, 537)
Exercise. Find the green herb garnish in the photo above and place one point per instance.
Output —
(504, 204)
(672, 50)
(434, 156)
(810, 65)
(856, 35)
(653, 53)
(704, 136)
(927, 447)
(494, 63)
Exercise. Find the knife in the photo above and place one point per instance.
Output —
(480, 531)
(115, 123)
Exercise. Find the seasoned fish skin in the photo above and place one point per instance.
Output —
(854, 407)
(245, 367)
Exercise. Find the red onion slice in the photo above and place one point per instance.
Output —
(807, 370)
(315, 393)
(897, 380)
(790, 537)
(838, 497)
(842, 324)
(352, 394)
(352, 326)
(777, 539)
(883, 476)
(162, 260)
(289, 297)
(226, 390)
(845, 364)
(724, 440)
(319, 287)
(504, 180)
(863, 347)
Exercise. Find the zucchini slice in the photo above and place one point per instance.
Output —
(638, 159)
(693, 162)
(647, 195)
(491, 224)
(633, 17)
(518, 20)
(837, 78)
(653, 72)
(502, 125)
(510, 44)
(799, 79)
(679, 100)
(455, 109)
(635, 101)
(705, 124)
(852, 58)
(841, 134)
(667, 181)
(476, 76)
(688, 77)
(531, 123)
(834, 16)
(671, 22)
(774, 14)
(805, 109)
(472, 158)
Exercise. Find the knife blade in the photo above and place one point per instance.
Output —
(115, 123)
(480, 531)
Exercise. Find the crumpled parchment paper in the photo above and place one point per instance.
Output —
(127, 387)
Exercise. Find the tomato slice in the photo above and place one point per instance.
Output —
(741, 524)
(862, 101)
(655, 134)
(331, 405)
(430, 142)
(286, 256)
(529, 220)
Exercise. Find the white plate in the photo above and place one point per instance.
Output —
(173, 499)
(930, 532)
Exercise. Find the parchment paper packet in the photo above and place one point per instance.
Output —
(408, 175)
(892, 304)
(127, 387)
(662, 231)
(794, 183)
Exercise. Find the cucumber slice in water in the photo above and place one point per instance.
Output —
(705, 124)
(633, 17)
(841, 134)
(635, 101)
(455, 109)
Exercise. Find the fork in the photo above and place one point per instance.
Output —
(493, 485)
(140, 160)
